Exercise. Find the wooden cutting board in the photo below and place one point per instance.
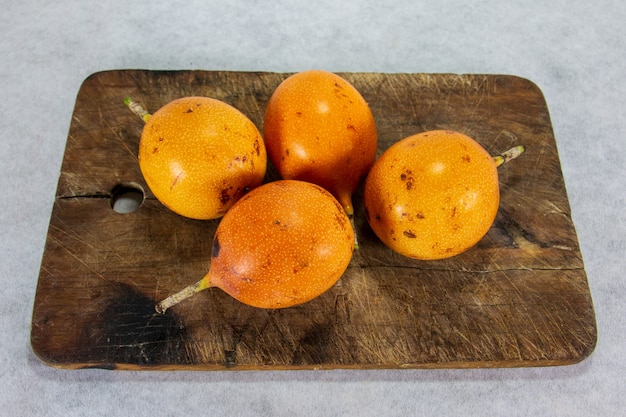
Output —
(519, 298)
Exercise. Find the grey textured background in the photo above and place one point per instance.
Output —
(573, 50)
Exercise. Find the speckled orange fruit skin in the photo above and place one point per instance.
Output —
(318, 128)
(199, 155)
(281, 245)
(432, 195)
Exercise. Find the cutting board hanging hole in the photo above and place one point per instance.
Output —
(126, 198)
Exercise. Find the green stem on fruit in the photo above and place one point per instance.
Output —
(186, 292)
(356, 239)
(509, 155)
(137, 109)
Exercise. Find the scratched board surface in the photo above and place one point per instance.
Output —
(518, 298)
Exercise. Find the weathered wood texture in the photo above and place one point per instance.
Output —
(519, 298)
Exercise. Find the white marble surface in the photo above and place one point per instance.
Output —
(574, 51)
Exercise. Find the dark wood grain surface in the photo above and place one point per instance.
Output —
(519, 298)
